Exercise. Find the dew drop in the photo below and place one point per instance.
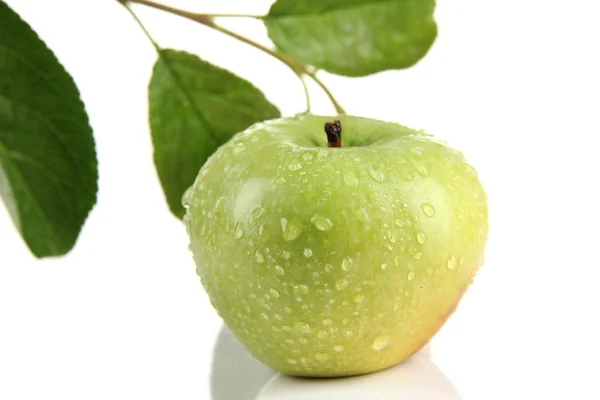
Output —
(359, 298)
(289, 341)
(350, 179)
(303, 328)
(461, 260)
(274, 293)
(347, 264)
(384, 266)
(303, 340)
(292, 361)
(288, 310)
(307, 156)
(380, 343)
(341, 284)
(239, 230)
(421, 238)
(418, 255)
(349, 333)
(294, 166)
(407, 176)
(322, 334)
(304, 360)
(291, 229)
(286, 328)
(383, 208)
(338, 348)
(265, 316)
(421, 170)
(286, 254)
(308, 253)
(279, 270)
(428, 209)
(259, 257)
(322, 356)
(417, 151)
(327, 322)
(302, 289)
(411, 276)
(328, 267)
(377, 176)
(451, 263)
(257, 212)
(399, 223)
(238, 148)
(277, 317)
(321, 223)
(280, 181)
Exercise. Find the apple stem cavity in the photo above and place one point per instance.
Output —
(334, 133)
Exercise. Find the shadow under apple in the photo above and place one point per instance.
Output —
(418, 378)
(236, 375)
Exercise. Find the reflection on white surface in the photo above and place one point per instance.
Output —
(416, 379)
(236, 375)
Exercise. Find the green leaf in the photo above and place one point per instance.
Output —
(194, 108)
(48, 167)
(353, 37)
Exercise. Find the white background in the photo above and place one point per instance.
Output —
(513, 83)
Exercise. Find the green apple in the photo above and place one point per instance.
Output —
(329, 261)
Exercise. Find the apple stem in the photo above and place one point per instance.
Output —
(334, 133)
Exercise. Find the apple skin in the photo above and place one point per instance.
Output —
(328, 262)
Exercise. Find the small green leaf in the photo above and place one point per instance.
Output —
(48, 166)
(353, 37)
(194, 108)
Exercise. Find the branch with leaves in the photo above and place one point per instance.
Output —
(48, 165)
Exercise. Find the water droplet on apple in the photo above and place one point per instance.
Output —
(238, 148)
(280, 181)
(321, 223)
(307, 156)
(428, 209)
(399, 223)
(239, 230)
(359, 298)
(265, 316)
(349, 333)
(384, 266)
(304, 360)
(277, 317)
(461, 260)
(407, 176)
(380, 343)
(288, 310)
(257, 212)
(322, 334)
(377, 176)
(421, 170)
(451, 263)
(351, 179)
(411, 276)
(328, 267)
(308, 253)
(286, 254)
(303, 340)
(291, 229)
(327, 322)
(396, 307)
(294, 166)
(286, 328)
(322, 356)
(338, 348)
(421, 238)
(383, 208)
(341, 284)
(274, 293)
(347, 264)
(418, 255)
(259, 257)
(301, 289)
(302, 327)
(290, 341)
(279, 270)
(417, 151)
(292, 361)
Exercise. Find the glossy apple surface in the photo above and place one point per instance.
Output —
(335, 261)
